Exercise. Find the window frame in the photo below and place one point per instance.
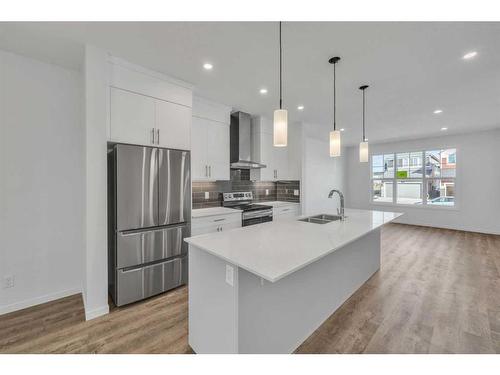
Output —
(424, 179)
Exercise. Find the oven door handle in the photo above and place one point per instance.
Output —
(251, 215)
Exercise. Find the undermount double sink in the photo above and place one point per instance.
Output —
(321, 219)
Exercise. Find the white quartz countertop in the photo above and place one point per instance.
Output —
(276, 249)
(279, 203)
(213, 211)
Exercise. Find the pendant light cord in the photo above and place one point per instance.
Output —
(334, 99)
(281, 81)
(363, 88)
(364, 116)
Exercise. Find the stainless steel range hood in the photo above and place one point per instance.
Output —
(241, 142)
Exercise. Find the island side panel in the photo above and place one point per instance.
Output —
(278, 317)
(213, 303)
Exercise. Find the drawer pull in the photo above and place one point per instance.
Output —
(219, 220)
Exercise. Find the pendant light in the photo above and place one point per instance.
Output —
(363, 145)
(280, 128)
(335, 134)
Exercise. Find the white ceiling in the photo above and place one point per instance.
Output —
(412, 68)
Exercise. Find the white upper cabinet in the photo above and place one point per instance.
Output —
(210, 141)
(173, 124)
(199, 145)
(132, 117)
(295, 151)
(281, 163)
(275, 158)
(218, 150)
(266, 157)
(146, 108)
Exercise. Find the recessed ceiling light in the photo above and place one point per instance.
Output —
(342, 129)
(300, 107)
(444, 128)
(208, 66)
(263, 91)
(438, 111)
(469, 55)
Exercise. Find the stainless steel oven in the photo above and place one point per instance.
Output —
(253, 213)
(256, 217)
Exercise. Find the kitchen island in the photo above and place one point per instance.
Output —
(266, 288)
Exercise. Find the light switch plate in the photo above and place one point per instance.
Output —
(207, 195)
(229, 275)
(296, 192)
(267, 191)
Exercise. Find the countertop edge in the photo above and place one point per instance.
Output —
(277, 278)
(236, 211)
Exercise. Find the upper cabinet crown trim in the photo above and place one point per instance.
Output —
(136, 79)
(126, 64)
(210, 110)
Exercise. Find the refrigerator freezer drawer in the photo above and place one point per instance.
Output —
(139, 283)
(138, 247)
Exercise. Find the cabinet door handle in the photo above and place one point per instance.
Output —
(206, 170)
(153, 136)
(209, 171)
(157, 136)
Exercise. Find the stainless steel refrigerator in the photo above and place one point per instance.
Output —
(149, 217)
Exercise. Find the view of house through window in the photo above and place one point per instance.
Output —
(415, 178)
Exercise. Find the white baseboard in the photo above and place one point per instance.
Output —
(38, 300)
(97, 312)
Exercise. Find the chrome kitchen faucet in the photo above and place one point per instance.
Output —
(340, 211)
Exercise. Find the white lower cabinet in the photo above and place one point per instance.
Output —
(287, 212)
(216, 223)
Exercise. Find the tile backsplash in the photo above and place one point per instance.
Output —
(262, 190)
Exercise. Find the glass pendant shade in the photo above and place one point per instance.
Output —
(280, 129)
(335, 143)
(363, 152)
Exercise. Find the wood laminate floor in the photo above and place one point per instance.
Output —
(438, 291)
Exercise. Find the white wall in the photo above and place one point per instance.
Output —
(320, 172)
(42, 181)
(477, 182)
(96, 254)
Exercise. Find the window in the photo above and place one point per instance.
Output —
(415, 178)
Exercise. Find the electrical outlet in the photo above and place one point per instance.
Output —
(229, 275)
(267, 191)
(207, 195)
(8, 282)
(296, 192)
